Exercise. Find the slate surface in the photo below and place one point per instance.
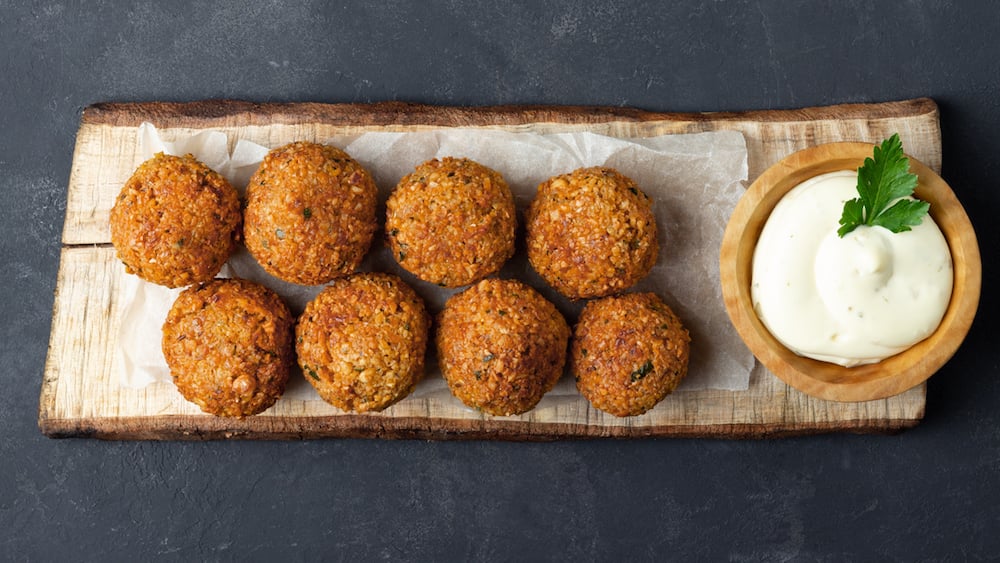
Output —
(931, 493)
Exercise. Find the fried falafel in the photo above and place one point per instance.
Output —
(175, 222)
(310, 213)
(591, 233)
(362, 341)
(228, 343)
(628, 353)
(451, 222)
(501, 346)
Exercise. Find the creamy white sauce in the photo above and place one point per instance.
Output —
(852, 300)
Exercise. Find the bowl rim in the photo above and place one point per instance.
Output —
(824, 380)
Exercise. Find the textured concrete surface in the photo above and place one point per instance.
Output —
(931, 493)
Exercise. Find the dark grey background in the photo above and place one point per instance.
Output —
(928, 494)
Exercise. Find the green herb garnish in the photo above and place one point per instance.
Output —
(882, 181)
(307, 213)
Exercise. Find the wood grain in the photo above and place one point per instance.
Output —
(80, 395)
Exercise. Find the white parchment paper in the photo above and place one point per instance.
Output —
(694, 181)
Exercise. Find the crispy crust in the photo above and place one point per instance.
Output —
(591, 233)
(228, 344)
(451, 222)
(310, 213)
(175, 221)
(501, 346)
(361, 342)
(628, 353)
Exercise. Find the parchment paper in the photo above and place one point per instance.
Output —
(694, 181)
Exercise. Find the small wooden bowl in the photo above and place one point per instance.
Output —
(830, 381)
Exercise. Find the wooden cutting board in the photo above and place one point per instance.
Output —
(80, 396)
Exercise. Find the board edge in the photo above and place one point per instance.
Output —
(201, 428)
(203, 113)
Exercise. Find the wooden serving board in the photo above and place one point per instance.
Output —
(81, 397)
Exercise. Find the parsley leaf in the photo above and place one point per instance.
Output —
(883, 180)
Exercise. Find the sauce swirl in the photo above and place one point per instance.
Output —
(853, 300)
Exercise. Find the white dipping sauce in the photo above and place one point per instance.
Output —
(852, 300)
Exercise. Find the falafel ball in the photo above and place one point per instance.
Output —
(361, 342)
(228, 344)
(628, 353)
(591, 233)
(451, 222)
(175, 221)
(501, 346)
(310, 213)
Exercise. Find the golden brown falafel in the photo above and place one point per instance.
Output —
(228, 344)
(310, 213)
(451, 222)
(361, 342)
(501, 346)
(628, 353)
(591, 233)
(175, 221)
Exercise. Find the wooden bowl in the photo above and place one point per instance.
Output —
(821, 379)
